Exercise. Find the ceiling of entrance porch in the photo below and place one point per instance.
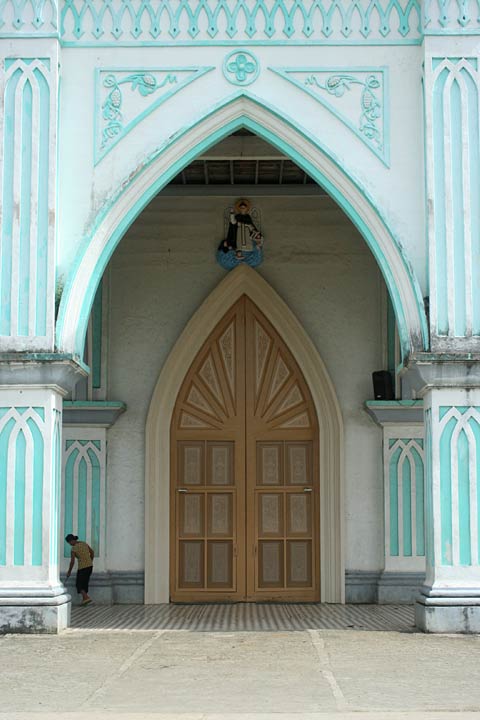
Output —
(243, 159)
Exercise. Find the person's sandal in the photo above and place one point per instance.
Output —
(85, 602)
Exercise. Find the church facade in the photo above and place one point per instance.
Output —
(219, 218)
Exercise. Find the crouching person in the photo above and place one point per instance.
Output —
(84, 555)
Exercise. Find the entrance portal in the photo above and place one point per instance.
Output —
(244, 470)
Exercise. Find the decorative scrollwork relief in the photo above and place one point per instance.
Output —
(126, 97)
(356, 96)
(371, 108)
(144, 82)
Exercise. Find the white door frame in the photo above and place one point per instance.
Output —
(242, 281)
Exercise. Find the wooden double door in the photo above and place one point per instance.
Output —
(244, 470)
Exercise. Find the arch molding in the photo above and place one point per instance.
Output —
(243, 281)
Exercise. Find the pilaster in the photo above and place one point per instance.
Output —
(29, 82)
(450, 387)
(450, 599)
(452, 151)
(403, 478)
(32, 599)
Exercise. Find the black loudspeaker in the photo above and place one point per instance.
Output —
(382, 385)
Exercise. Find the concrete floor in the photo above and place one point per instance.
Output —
(227, 674)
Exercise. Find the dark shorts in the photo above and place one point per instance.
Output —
(83, 576)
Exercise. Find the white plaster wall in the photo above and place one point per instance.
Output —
(317, 262)
(397, 191)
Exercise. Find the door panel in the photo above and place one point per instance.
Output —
(282, 470)
(244, 470)
(208, 470)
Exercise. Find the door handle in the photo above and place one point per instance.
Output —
(307, 489)
(182, 490)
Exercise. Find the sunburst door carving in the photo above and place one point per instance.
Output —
(244, 478)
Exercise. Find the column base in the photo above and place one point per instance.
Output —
(34, 614)
(399, 587)
(448, 615)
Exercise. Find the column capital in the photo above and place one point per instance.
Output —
(53, 370)
(424, 371)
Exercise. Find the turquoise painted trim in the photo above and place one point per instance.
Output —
(35, 11)
(338, 42)
(462, 32)
(31, 316)
(43, 259)
(172, 21)
(393, 510)
(4, 443)
(97, 330)
(429, 527)
(6, 257)
(390, 337)
(197, 72)
(201, 147)
(464, 480)
(419, 501)
(25, 241)
(458, 210)
(426, 132)
(19, 500)
(474, 135)
(384, 153)
(407, 508)
(446, 493)
(445, 409)
(475, 426)
(68, 500)
(28, 36)
(37, 494)
(462, 117)
(55, 507)
(95, 503)
(82, 499)
(439, 212)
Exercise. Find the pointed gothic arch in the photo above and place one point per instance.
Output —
(242, 281)
(142, 185)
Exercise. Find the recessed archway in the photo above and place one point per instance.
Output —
(121, 211)
(242, 281)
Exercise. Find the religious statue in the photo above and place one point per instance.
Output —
(244, 241)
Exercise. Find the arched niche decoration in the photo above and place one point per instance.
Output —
(242, 281)
(286, 135)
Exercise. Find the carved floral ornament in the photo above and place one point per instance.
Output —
(356, 96)
(124, 97)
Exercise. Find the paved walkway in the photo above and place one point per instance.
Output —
(240, 665)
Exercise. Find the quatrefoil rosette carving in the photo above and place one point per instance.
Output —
(241, 67)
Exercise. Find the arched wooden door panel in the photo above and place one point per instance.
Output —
(244, 439)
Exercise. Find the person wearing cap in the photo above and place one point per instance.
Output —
(83, 553)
